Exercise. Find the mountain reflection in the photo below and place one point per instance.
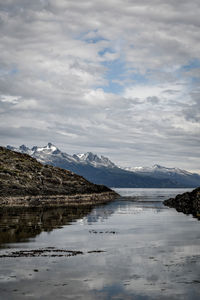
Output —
(20, 224)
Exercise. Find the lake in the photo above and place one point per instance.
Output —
(131, 248)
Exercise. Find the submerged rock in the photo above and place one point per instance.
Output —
(26, 182)
(188, 203)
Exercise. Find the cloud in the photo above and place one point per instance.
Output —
(118, 77)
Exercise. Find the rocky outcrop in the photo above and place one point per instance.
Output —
(57, 200)
(188, 203)
(26, 182)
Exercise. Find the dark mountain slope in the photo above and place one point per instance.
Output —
(112, 177)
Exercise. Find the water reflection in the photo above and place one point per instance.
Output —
(148, 251)
(20, 224)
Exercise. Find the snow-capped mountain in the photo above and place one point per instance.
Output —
(46, 153)
(48, 149)
(158, 169)
(100, 170)
(94, 160)
(174, 174)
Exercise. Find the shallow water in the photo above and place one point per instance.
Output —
(144, 251)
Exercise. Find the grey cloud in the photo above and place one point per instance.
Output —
(58, 77)
(153, 100)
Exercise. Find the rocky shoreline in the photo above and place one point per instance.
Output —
(188, 203)
(25, 182)
(57, 200)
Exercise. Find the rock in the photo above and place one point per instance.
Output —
(188, 203)
(22, 176)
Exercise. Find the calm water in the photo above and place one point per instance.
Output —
(144, 251)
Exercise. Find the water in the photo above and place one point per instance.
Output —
(132, 248)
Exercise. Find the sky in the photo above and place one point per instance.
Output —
(119, 78)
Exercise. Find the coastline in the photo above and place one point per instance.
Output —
(187, 203)
(57, 200)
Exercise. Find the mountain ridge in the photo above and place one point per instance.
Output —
(101, 170)
(158, 168)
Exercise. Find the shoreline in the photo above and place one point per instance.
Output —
(187, 203)
(57, 200)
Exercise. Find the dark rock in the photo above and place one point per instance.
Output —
(188, 203)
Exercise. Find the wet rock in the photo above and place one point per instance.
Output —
(46, 252)
(188, 203)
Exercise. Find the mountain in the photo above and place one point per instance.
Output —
(94, 160)
(24, 181)
(50, 152)
(175, 174)
(100, 170)
(157, 169)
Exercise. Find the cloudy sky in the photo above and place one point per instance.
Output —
(117, 77)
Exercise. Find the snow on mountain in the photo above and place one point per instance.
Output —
(101, 170)
(49, 149)
(158, 169)
(95, 160)
(81, 155)
(42, 154)
(47, 153)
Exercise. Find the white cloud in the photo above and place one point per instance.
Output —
(53, 77)
(9, 99)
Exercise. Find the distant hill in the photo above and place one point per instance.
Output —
(100, 170)
(182, 177)
(22, 176)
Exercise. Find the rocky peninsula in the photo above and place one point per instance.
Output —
(188, 203)
(26, 182)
